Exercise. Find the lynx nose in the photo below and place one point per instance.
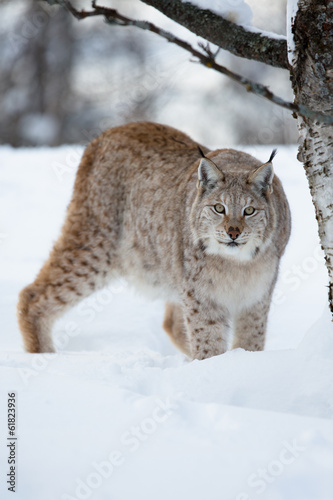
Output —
(233, 232)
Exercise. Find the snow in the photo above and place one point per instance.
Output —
(268, 34)
(292, 6)
(237, 11)
(119, 414)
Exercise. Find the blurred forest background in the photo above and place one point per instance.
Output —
(64, 81)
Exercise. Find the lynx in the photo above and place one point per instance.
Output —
(205, 230)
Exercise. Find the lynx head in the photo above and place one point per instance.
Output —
(232, 214)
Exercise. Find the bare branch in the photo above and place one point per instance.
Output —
(225, 34)
(206, 58)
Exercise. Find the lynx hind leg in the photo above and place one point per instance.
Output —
(174, 326)
(71, 273)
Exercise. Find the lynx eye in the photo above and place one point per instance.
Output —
(249, 210)
(219, 208)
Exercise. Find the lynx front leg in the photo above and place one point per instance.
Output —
(250, 327)
(207, 326)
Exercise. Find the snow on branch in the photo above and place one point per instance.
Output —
(224, 33)
(205, 57)
(238, 11)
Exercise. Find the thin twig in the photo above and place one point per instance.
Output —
(206, 58)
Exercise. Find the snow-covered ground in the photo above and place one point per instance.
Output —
(119, 414)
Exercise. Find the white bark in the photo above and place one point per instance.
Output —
(292, 6)
(316, 151)
(312, 76)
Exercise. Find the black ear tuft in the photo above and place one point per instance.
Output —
(272, 156)
(201, 152)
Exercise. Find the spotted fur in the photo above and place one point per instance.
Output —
(143, 207)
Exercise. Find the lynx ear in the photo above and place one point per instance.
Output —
(262, 177)
(208, 173)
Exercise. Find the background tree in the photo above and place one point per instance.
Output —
(104, 77)
(33, 96)
(45, 56)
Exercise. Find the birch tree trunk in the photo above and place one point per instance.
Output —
(312, 79)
